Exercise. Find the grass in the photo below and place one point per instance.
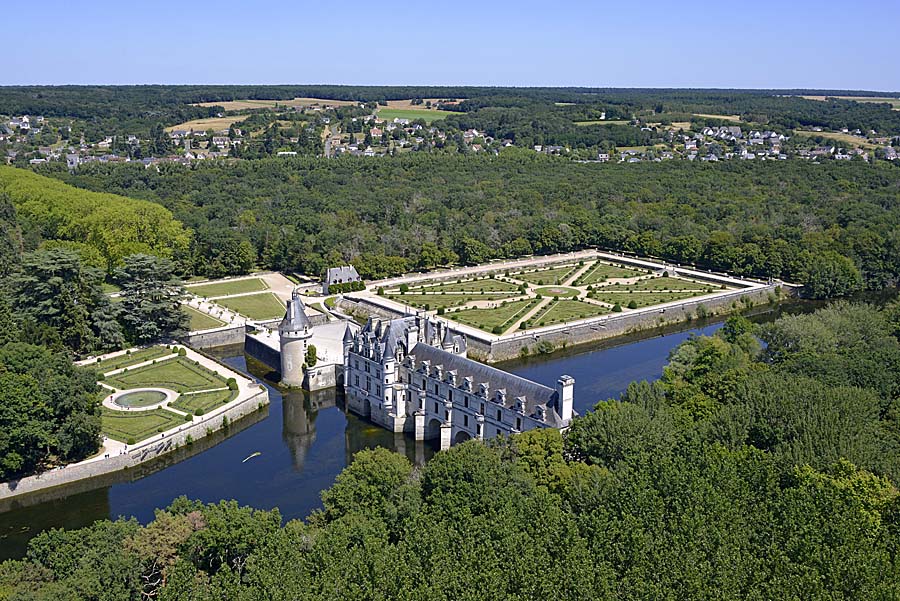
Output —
(228, 287)
(641, 299)
(557, 291)
(657, 284)
(139, 356)
(213, 123)
(180, 375)
(138, 425)
(553, 275)
(566, 310)
(486, 285)
(838, 137)
(255, 306)
(429, 115)
(200, 320)
(437, 301)
(503, 316)
(141, 398)
(204, 401)
(734, 118)
(108, 288)
(602, 271)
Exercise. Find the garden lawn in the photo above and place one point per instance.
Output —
(563, 311)
(180, 375)
(200, 320)
(139, 356)
(487, 319)
(658, 284)
(137, 425)
(438, 301)
(255, 306)
(487, 285)
(602, 271)
(228, 287)
(555, 275)
(642, 299)
(204, 401)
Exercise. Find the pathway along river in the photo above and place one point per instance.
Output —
(302, 443)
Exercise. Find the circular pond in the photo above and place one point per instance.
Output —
(557, 291)
(141, 398)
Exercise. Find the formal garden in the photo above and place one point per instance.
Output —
(151, 390)
(262, 306)
(509, 301)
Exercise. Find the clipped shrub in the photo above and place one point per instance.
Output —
(617, 308)
(182, 352)
(232, 384)
(129, 440)
(188, 417)
(198, 411)
(496, 330)
(632, 305)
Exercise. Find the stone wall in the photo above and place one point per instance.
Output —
(263, 353)
(224, 336)
(491, 349)
(323, 376)
(142, 452)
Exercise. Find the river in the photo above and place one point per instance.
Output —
(304, 442)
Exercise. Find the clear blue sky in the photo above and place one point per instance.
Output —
(652, 43)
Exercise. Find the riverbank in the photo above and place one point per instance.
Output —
(118, 455)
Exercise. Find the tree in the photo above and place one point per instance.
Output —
(311, 358)
(150, 309)
(830, 275)
(64, 302)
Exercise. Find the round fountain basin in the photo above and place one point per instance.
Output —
(140, 398)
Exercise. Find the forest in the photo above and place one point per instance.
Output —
(834, 227)
(121, 110)
(763, 465)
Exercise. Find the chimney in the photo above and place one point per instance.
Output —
(565, 390)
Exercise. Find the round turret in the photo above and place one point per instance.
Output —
(294, 332)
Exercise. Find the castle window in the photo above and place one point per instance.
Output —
(482, 409)
(436, 409)
(378, 391)
(518, 423)
(450, 395)
(357, 381)
(466, 402)
(435, 388)
(466, 421)
(368, 385)
(499, 415)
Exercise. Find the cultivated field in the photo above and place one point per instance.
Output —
(734, 118)
(213, 123)
(429, 115)
(255, 306)
(848, 139)
(242, 105)
(228, 287)
(894, 102)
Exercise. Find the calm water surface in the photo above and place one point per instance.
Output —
(305, 441)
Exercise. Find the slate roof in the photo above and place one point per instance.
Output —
(295, 319)
(339, 275)
(516, 386)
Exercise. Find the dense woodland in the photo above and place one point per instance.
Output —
(834, 227)
(747, 472)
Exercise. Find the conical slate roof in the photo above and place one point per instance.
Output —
(295, 319)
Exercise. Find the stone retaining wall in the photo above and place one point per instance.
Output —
(224, 336)
(491, 348)
(140, 453)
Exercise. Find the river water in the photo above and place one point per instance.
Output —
(304, 442)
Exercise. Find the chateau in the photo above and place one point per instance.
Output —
(412, 375)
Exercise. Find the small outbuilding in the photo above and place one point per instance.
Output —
(340, 275)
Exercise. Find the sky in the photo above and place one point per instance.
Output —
(826, 44)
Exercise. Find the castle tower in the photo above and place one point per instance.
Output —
(295, 331)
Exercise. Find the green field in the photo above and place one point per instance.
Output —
(228, 287)
(503, 317)
(657, 284)
(486, 285)
(138, 356)
(428, 115)
(255, 306)
(204, 401)
(179, 374)
(642, 299)
(554, 275)
(138, 425)
(200, 320)
(437, 301)
(603, 271)
(566, 310)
